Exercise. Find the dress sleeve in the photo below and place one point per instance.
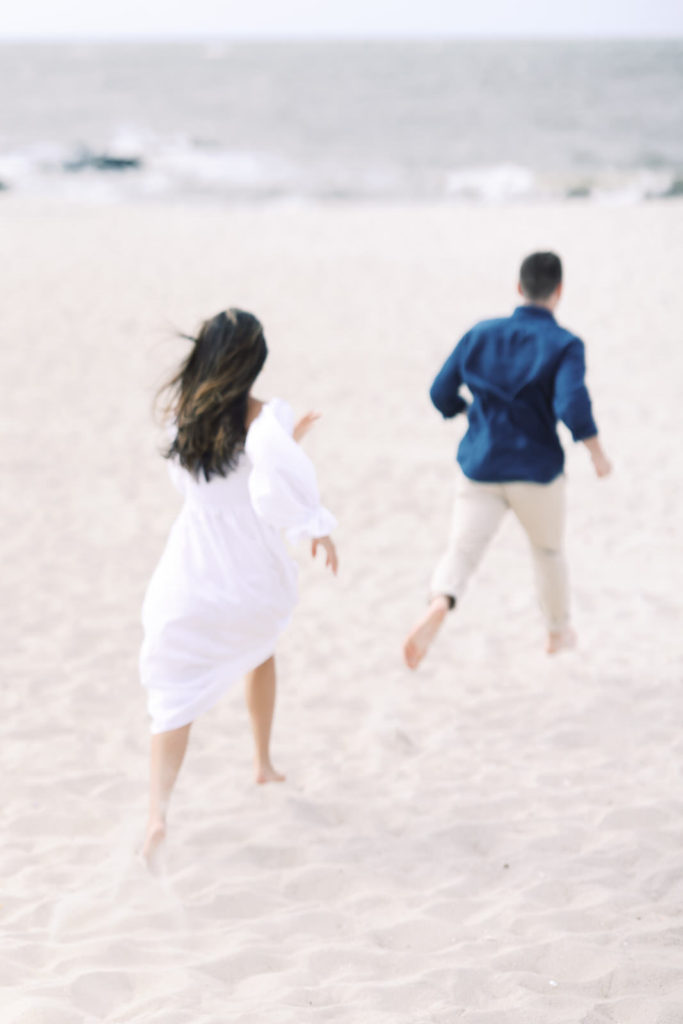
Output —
(282, 485)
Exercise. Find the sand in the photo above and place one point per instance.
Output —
(496, 839)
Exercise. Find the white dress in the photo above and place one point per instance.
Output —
(226, 586)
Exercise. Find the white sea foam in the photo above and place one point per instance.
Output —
(132, 165)
(492, 184)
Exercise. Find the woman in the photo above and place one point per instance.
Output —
(225, 586)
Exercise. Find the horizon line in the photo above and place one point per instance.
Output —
(221, 36)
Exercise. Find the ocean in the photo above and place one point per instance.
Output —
(408, 121)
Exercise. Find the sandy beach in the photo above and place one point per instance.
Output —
(495, 839)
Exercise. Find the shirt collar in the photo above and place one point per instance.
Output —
(529, 309)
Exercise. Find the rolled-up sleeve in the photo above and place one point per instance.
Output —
(444, 392)
(571, 401)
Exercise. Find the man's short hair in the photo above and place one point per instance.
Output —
(540, 274)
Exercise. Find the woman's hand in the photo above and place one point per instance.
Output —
(303, 425)
(327, 544)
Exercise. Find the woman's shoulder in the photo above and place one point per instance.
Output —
(283, 413)
(276, 408)
(254, 409)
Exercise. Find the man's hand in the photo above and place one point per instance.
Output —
(327, 544)
(303, 425)
(601, 464)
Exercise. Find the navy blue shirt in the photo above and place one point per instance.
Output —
(525, 373)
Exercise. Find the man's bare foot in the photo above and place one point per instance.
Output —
(151, 848)
(420, 637)
(266, 773)
(561, 641)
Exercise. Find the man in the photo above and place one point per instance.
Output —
(525, 373)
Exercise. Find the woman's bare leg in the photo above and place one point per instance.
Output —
(260, 694)
(166, 756)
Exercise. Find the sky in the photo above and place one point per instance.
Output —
(336, 18)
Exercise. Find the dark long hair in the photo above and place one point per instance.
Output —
(208, 396)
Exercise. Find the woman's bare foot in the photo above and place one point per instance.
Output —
(266, 773)
(561, 641)
(154, 838)
(420, 637)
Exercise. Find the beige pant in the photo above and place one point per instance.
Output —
(477, 513)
